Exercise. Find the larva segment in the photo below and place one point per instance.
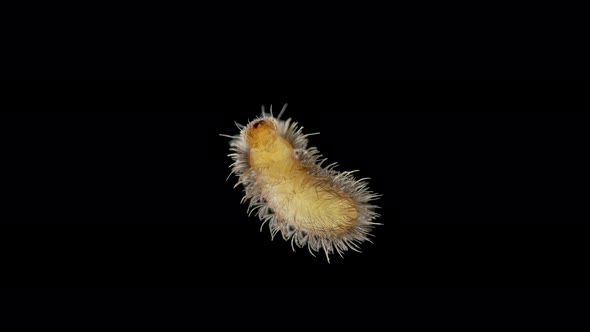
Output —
(284, 180)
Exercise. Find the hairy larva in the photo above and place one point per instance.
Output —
(285, 181)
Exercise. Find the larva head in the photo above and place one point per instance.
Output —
(262, 133)
(267, 145)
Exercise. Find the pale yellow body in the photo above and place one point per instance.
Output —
(303, 200)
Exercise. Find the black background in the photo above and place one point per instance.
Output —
(123, 184)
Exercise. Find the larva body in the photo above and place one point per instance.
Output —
(284, 180)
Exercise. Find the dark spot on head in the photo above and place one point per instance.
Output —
(257, 123)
